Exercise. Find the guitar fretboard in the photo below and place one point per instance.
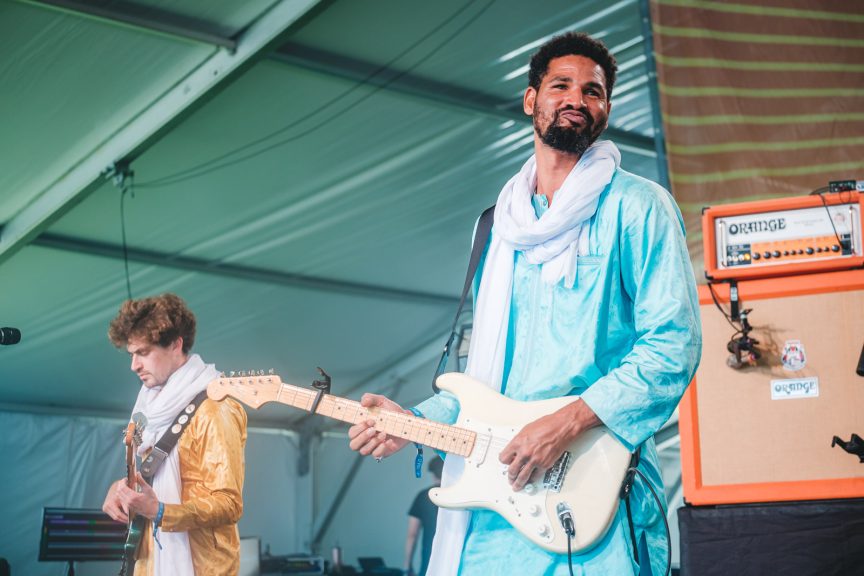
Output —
(442, 437)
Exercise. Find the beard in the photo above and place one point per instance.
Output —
(568, 139)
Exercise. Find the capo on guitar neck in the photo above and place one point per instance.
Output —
(322, 387)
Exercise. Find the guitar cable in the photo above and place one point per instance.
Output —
(566, 519)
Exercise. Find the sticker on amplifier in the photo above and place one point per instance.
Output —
(793, 356)
(794, 388)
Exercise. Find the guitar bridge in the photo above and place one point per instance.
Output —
(554, 477)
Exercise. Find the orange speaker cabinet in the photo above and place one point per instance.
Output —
(763, 433)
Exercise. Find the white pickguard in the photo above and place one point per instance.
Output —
(590, 488)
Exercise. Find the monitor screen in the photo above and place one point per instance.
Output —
(73, 534)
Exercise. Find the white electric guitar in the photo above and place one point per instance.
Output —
(584, 483)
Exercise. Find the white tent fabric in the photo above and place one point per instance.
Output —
(69, 462)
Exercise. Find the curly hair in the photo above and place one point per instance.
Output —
(158, 320)
(572, 44)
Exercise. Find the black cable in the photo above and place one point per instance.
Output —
(663, 514)
(728, 317)
(201, 169)
(821, 193)
(126, 188)
(569, 554)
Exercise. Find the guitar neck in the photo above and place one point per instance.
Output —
(131, 472)
(441, 437)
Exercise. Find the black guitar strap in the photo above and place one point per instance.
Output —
(481, 237)
(169, 439)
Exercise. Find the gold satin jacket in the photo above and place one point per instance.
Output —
(211, 473)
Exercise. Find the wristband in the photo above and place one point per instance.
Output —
(158, 522)
(418, 460)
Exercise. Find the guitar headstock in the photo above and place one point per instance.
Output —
(129, 435)
(251, 388)
(132, 438)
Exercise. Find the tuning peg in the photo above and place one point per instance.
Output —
(221, 374)
(233, 373)
(270, 372)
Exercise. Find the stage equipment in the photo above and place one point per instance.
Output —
(742, 347)
(860, 368)
(764, 433)
(76, 534)
(782, 237)
(800, 539)
(293, 564)
(9, 336)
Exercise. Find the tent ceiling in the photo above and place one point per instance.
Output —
(314, 209)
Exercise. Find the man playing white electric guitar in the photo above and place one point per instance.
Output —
(586, 290)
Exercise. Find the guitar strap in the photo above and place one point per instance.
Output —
(169, 439)
(481, 237)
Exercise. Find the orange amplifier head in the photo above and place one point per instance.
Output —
(782, 237)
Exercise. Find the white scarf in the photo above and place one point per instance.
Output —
(553, 241)
(160, 405)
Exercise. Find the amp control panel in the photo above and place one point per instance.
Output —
(784, 236)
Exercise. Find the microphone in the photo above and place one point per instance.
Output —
(860, 369)
(9, 336)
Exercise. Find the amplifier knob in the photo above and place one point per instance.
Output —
(819, 249)
(756, 256)
(776, 254)
(785, 252)
(809, 250)
(766, 254)
(835, 248)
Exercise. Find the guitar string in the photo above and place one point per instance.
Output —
(303, 399)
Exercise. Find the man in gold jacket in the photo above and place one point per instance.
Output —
(196, 496)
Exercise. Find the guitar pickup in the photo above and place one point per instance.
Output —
(481, 447)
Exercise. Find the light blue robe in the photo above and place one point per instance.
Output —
(627, 338)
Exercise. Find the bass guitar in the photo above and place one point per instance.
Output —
(137, 524)
(583, 485)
